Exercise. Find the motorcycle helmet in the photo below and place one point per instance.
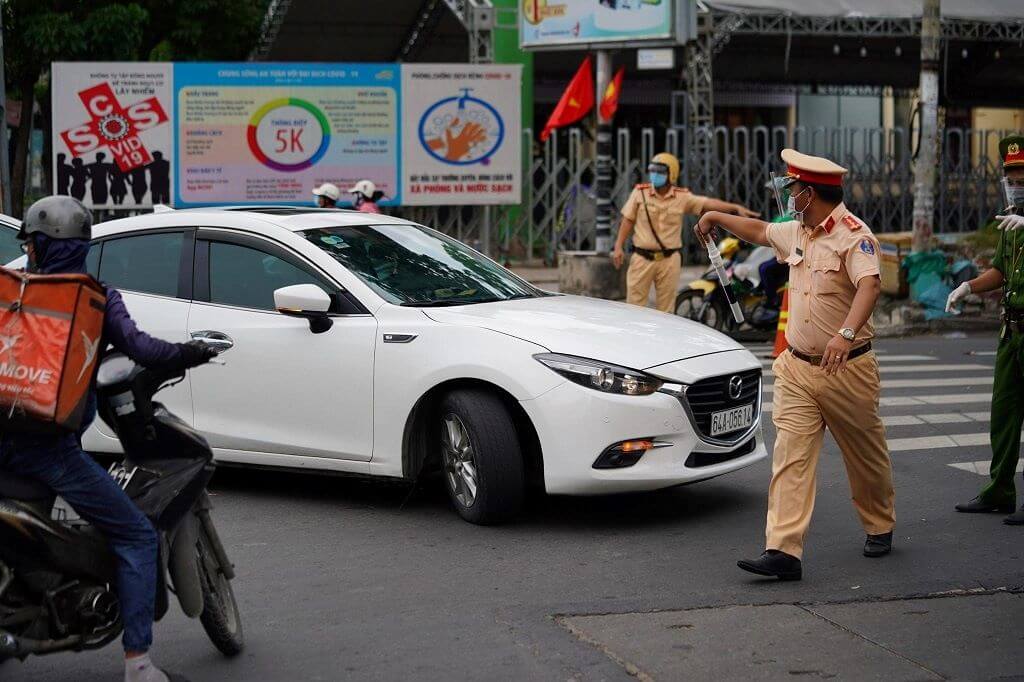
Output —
(670, 162)
(728, 247)
(57, 217)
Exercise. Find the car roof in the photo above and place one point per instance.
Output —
(290, 218)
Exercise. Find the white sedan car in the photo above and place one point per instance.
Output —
(371, 345)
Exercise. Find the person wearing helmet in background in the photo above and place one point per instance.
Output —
(655, 212)
(56, 234)
(365, 196)
(327, 195)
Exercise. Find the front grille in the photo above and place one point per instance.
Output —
(706, 459)
(712, 395)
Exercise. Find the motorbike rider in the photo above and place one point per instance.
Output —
(365, 196)
(56, 234)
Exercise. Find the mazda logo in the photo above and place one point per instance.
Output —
(735, 387)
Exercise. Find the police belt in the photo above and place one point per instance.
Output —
(1013, 320)
(816, 359)
(657, 254)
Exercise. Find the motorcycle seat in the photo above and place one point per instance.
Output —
(23, 489)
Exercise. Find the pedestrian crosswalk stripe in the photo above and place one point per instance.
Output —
(901, 420)
(905, 401)
(981, 467)
(921, 383)
(922, 369)
(938, 418)
(882, 359)
(956, 440)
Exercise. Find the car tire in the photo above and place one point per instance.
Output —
(481, 460)
(717, 315)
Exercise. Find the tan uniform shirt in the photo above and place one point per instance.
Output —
(666, 213)
(825, 264)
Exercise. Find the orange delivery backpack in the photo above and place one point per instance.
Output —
(50, 329)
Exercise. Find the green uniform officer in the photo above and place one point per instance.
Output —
(1007, 271)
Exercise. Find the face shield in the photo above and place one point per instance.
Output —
(780, 185)
(1013, 193)
(658, 174)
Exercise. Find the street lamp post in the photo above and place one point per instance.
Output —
(5, 166)
(603, 232)
(924, 166)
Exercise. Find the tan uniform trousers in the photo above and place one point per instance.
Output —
(807, 401)
(664, 274)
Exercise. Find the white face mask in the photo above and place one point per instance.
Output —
(791, 207)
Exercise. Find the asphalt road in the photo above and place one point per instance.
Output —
(351, 579)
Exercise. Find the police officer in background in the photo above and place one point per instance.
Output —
(1007, 271)
(829, 376)
(656, 211)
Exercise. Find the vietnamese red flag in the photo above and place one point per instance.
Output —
(577, 100)
(610, 100)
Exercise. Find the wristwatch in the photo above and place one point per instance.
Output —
(848, 334)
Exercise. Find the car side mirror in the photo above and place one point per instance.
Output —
(307, 301)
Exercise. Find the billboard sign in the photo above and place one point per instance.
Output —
(131, 135)
(266, 133)
(461, 134)
(578, 23)
(112, 136)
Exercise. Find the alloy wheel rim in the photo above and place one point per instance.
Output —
(459, 460)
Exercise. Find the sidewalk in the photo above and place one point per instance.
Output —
(970, 635)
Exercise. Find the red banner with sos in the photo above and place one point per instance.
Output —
(114, 126)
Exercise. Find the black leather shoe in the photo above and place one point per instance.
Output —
(976, 506)
(878, 545)
(774, 563)
(1016, 518)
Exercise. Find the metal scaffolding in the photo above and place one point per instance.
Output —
(477, 16)
(1004, 30)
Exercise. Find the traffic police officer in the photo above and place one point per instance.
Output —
(829, 376)
(1008, 390)
(656, 210)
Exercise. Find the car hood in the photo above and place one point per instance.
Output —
(627, 335)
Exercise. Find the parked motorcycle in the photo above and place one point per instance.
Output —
(57, 576)
(704, 301)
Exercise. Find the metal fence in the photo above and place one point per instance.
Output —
(558, 208)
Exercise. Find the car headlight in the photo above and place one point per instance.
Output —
(600, 376)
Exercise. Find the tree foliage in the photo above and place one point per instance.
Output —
(38, 32)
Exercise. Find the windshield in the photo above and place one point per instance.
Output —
(415, 266)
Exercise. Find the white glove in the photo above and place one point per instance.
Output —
(1010, 222)
(955, 296)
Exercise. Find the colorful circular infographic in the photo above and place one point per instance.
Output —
(461, 130)
(288, 134)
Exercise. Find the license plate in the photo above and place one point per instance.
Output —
(735, 419)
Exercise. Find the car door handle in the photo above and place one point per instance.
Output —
(218, 340)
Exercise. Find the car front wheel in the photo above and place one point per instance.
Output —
(480, 457)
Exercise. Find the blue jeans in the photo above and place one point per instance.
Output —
(58, 462)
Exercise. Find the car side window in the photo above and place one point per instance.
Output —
(10, 247)
(147, 263)
(92, 261)
(247, 277)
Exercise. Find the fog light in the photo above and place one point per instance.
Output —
(625, 453)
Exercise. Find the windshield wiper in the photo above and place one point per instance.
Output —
(441, 302)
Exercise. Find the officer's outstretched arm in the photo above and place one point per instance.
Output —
(748, 229)
(990, 280)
